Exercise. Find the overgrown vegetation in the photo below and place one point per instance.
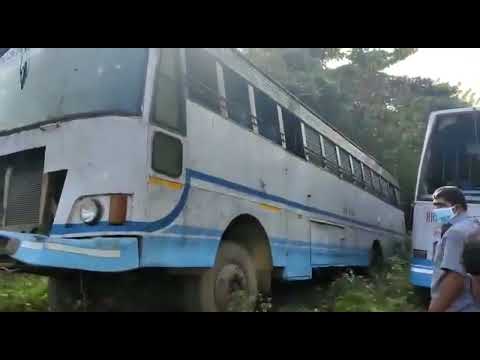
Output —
(23, 293)
(387, 289)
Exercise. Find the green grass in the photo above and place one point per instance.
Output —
(22, 293)
(388, 290)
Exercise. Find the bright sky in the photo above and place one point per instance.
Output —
(454, 65)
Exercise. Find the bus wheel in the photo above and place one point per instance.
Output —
(231, 282)
(375, 261)
(422, 296)
(64, 294)
(376, 257)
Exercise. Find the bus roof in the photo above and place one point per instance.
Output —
(453, 111)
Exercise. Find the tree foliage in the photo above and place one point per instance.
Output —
(387, 115)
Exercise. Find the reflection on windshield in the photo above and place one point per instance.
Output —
(38, 85)
(453, 155)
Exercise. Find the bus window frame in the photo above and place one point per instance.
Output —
(182, 94)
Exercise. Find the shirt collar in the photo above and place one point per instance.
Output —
(459, 218)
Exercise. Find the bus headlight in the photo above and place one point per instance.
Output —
(90, 211)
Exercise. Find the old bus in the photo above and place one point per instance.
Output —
(118, 162)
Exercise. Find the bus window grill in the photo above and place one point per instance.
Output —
(376, 183)
(238, 113)
(357, 170)
(345, 168)
(237, 99)
(314, 147)
(383, 190)
(315, 157)
(330, 155)
(332, 166)
(269, 128)
(294, 141)
(268, 122)
(367, 176)
(393, 195)
(203, 94)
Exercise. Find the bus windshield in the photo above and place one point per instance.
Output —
(452, 156)
(42, 85)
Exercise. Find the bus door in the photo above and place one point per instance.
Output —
(299, 247)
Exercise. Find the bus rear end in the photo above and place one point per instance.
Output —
(451, 156)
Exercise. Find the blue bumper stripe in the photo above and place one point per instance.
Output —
(98, 254)
(421, 271)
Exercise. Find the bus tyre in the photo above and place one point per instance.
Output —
(64, 293)
(234, 273)
(375, 262)
(376, 257)
(422, 296)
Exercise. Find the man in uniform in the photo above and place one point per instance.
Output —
(451, 285)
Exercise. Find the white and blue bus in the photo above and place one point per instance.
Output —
(450, 156)
(190, 162)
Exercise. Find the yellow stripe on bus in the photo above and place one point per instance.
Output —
(270, 208)
(172, 185)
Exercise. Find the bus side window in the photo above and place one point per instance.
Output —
(357, 170)
(167, 157)
(345, 164)
(398, 198)
(314, 146)
(238, 102)
(384, 186)
(167, 107)
(202, 79)
(376, 183)
(330, 154)
(367, 177)
(393, 195)
(293, 133)
(267, 117)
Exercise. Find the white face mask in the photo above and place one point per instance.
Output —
(443, 215)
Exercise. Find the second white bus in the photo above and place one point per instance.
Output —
(450, 156)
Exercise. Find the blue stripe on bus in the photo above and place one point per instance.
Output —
(422, 262)
(182, 247)
(139, 226)
(241, 188)
(183, 252)
(421, 279)
(164, 250)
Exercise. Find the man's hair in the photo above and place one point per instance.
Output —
(452, 194)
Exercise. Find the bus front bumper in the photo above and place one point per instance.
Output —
(421, 272)
(100, 254)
